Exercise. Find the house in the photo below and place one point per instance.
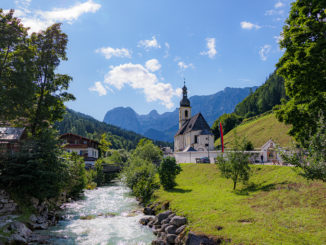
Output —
(11, 138)
(82, 146)
(193, 131)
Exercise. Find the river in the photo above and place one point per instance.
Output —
(106, 215)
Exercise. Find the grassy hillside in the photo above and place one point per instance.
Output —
(278, 207)
(259, 130)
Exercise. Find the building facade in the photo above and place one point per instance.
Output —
(84, 147)
(194, 133)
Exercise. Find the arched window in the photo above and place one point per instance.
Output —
(186, 113)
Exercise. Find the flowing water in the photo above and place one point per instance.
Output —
(107, 215)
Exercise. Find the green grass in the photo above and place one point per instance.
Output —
(276, 207)
(260, 130)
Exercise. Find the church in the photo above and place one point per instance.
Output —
(194, 133)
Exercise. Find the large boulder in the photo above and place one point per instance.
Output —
(16, 239)
(149, 211)
(178, 221)
(180, 229)
(145, 220)
(158, 242)
(170, 238)
(20, 229)
(194, 239)
(163, 215)
(171, 229)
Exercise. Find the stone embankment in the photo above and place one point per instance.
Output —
(17, 232)
(172, 229)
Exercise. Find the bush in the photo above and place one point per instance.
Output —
(139, 176)
(167, 172)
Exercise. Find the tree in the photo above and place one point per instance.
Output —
(229, 121)
(16, 70)
(313, 159)
(167, 171)
(303, 66)
(104, 145)
(50, 86)
(148, 151)
(235, 165)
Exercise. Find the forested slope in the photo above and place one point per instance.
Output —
(87, 126)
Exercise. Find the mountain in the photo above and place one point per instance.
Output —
(87, 126)
(163, 126)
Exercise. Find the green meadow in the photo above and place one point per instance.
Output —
(277, 206)
(259, 130)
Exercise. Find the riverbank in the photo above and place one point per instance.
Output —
(278, 205)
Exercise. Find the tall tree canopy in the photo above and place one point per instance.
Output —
(303, 67)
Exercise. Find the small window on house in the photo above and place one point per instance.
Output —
(186, 113)
(196, 139)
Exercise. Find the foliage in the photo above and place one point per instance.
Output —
(16, 69)
(235, 165)
(37, 169)
(263, 99)
(249, 146)
(84, 125)
(139, 176)
(104, 145)
(313, 159)
(99, 177)
(168, 171)
(76, 180)
(229, 121)
(148, 151)
(276, 200)
(303, 67)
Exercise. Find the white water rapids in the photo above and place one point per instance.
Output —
(102, 228)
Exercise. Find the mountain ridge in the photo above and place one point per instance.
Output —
(163, 126)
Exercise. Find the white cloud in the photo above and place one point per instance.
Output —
(274, 12)
(249, 26)
(99, 88)
(183, 66)
(153, 65)
(109, 52)
(264, 51)
(167, 48)
(210, 44)
(138, 77)
(279, 4)
(39, 20)
(148, 44)
(278, 39)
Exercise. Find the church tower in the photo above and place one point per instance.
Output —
(185, 109)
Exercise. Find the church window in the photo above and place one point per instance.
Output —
(196, 139)
(186, 113)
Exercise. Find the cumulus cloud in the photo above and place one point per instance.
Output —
(167, 48)
(39, 20)
(249, 26)
(99, 88)
(109, 52)
(148, 44)
(279, 4)
(139, 77)
(153, 65)
(183, 66)
(210, 44)
(264, 51)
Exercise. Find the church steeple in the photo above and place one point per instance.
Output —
(185, 109)
(185, 101)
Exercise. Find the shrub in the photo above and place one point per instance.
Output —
(167, 172)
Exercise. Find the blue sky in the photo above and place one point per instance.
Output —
(137, 52)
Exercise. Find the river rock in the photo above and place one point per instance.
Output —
(178, 221)
(20, 229)
(158, 242)
(170, 238)
(16, 239)
(166, 221)
(148, 211)
(180, 229)
(171, 229)
(163, 227)
(194, 239)
(163, 215)
(145, 220)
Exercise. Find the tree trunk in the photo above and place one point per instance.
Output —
(234, 184)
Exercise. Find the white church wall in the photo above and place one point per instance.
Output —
(190, 157)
